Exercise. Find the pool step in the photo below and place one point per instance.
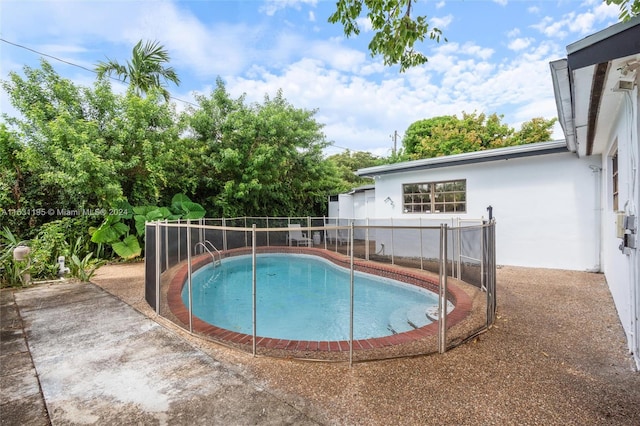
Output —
(433, 314)
(402, 320)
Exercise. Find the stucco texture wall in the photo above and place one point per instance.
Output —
(546, 206)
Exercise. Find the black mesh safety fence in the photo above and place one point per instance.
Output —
(151, 270)
(178, 251)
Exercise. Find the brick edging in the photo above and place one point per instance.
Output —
(455, 294)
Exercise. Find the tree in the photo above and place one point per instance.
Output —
(396, 32)
(145, 70)
(628, 8)
(348, 162)
(449, 135)
(536, 130)
(421, 129)
(74, 148)
(260, 159)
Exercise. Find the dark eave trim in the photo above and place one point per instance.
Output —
(597, 89)
(617, 41)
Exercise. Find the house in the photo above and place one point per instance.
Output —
(569, 204)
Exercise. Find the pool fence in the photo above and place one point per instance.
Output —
(455, 259)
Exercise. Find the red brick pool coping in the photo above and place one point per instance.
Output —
(455, 295)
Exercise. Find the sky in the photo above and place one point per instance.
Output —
(495, 60)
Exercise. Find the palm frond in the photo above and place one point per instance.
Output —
(145, 69)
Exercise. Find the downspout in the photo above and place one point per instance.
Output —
(597, 172)
(630, 209)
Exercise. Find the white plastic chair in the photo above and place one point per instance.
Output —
(335, 236)
(295, 234)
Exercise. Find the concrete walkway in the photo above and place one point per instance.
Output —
(555, 356)
(89, 358)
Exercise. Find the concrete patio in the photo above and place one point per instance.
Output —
(77, 353)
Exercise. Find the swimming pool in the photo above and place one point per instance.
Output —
(304, 297)
(402, 343)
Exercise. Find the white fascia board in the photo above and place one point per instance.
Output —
(540, 148)
(562, 91)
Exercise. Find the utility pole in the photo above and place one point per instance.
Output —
(395, 141)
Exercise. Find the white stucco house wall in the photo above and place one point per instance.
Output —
(540, 214)
(596, 89)
(569, 204)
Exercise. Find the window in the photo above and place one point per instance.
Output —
(614, 180)
(435, 197)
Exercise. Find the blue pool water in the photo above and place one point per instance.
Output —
(302, 297)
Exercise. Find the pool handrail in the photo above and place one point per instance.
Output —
(213, 258)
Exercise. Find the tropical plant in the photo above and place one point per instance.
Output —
(120, 235)
(51, 242)
(84, 268)
(145, 71)
(11, 271)
(116, 233)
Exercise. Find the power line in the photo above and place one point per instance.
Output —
(112, 78)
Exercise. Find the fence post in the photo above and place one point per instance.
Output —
(158, 252)
(421, 244)
(166, 245)
(490, 271)
(179, 242)
(189, 272)
(442, 299)
(245, 232)
(268, 240)
(366, 239)
(483, 263)
(224, 234)
(351, 277)
(253, 285)
(457, 251)
(392, 245)
(324, 224)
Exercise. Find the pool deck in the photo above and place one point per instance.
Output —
(76, 353)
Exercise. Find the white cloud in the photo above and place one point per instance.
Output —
(534, 10)
(357, 111)
(364, 24)
(519, 43)
(336, 56)
(578, 23)
(360, 101)
(473, 49)
(550, 28)
(442, 22)
(270, 7)
(513, 33)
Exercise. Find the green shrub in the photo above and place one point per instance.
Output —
(11, 271)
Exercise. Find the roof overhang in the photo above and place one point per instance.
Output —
(589, 84)
(518, 151)
(362, 188)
